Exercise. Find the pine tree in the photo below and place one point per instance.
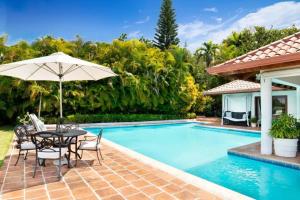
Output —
(166, 31)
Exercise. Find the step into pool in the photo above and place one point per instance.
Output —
(202, 151)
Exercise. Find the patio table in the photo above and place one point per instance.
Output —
(69, 134)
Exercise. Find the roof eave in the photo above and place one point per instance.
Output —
(255, 66)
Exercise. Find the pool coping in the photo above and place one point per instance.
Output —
(204, 184)
(284, 163)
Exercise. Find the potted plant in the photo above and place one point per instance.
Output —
(285, 132)
(253, 122)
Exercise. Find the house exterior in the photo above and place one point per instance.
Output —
(277, 63)
(244, 96)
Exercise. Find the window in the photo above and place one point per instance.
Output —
(279, 105)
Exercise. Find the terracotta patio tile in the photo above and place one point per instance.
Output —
(159, 182)
(88, 197)
(13, 194)
(98, 184)
(150, 176)
(150, 190)
(138, 196)
(129, 190)
(114, 197)
(140, 183)
(119, 183)
(185, 195)
(163, 196)
(35, 193)
(178, 182)
(131, 177)
(172, 188)
(106, 192)
(56, 185)
(76, 185)
(55, 194)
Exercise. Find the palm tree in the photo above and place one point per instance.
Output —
(207, 52)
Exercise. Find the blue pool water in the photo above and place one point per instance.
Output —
(202, 151)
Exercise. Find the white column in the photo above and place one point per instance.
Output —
(298, 102)
(266, 115)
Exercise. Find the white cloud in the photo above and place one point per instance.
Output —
(135, 34)
(278, 15)
(143, 20)
(219, 19)
(212, 9)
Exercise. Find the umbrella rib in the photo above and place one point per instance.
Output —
(73, 69)
(12, 68)
(88, 73)
(39, 67)
(103, 70)
(50, 69)
(69, 69)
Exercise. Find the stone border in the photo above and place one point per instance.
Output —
(266, 160)
(218, 190)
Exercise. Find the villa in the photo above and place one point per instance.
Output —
(136, 135)
(276, 63)
(241, 96)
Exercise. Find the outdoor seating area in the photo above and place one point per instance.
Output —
(100, 102)
(118, 177)
(236, 118)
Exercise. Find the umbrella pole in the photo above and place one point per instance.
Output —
(60, 97)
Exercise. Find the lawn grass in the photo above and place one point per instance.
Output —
(6, 136)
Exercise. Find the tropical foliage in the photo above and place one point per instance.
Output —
(150, 81)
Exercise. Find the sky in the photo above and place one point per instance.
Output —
(104, 20)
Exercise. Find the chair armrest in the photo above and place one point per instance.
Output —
(88, 136)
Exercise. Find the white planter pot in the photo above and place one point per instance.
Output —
(285, 147)
(253, 125)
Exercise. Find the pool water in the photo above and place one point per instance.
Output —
(202, 151)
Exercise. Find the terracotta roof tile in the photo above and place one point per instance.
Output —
(236, 86)
(285, 46)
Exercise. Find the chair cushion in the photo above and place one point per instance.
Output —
(27, 146)
(50, 154)
(238, 115)
(89, 145)
(39, 125)
(228, 114)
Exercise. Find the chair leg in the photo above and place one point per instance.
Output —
(76, 154)
(18, 157)
(26, 155)
(81, 154)
(98, 157)
(101, 154)
(36, 163)
(59, 169)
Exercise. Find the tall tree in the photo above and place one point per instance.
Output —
(207, 52)
(166, 31)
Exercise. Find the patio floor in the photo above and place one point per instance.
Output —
(253, 151)
(119, 177)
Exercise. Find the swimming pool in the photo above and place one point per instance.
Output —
(202, 151)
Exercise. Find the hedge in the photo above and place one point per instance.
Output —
(97, 118)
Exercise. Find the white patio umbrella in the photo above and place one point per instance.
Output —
(56, 67)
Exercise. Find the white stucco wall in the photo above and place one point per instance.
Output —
(237, 102)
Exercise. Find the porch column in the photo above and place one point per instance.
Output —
(266, 114)
(298, 102)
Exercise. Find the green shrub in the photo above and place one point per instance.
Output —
(97, 118)
(253, 120)
(285, 126)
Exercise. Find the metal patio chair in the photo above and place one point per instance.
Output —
(91, 143)
(49, 146)
(24, 142)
